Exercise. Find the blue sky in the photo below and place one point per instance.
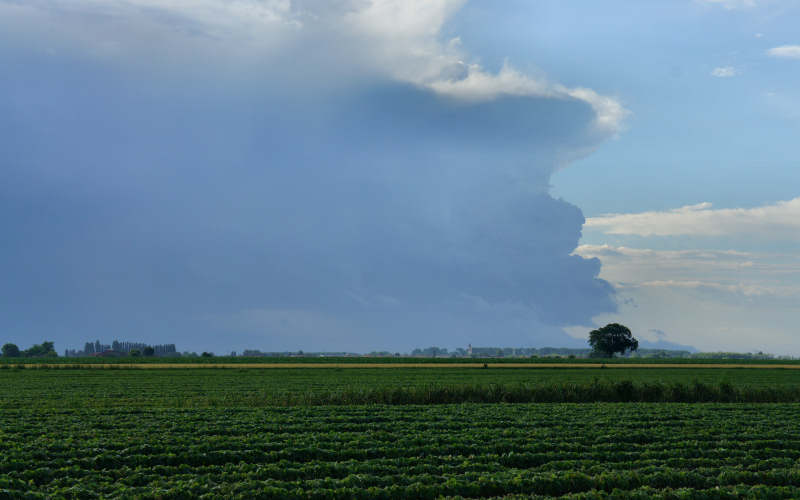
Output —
(356, 175)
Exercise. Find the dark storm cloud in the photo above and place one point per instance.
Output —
(261, 214)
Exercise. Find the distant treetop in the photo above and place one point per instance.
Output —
(611, 339)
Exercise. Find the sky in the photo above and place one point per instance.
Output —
(358, 175)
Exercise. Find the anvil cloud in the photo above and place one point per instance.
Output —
(284, 175)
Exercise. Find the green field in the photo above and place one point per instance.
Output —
(389, 360)
(265, 387)
(228, 433)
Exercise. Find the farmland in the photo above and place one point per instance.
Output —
(265, 387)
(364, 360)
(227, 433)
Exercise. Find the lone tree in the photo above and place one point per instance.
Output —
(11, 351)
(612, 338)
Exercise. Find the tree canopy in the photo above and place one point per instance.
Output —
(611, 339)
(43, 350)
(11, 351)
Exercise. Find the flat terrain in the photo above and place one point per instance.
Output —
(244, 433)
(200, 387)
(649, 450)
(115, 385)
(488, 364)
(391, 361)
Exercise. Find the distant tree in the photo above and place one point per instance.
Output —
(148, 351)
(10, 351)
(611, 339)
(207, 354)
(44, 350)
(135, 353)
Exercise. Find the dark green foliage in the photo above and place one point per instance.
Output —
(11, 351)
(611, 339)
(621, 391)
(148, 351)
(69, 432)
(72, 386)
(608, 450)
(44, 350)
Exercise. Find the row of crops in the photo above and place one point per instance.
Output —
(300, 433)
(269, 387)
(378, 451)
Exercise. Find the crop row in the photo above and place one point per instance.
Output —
(471, 450)
(400, 486)
(193, 388)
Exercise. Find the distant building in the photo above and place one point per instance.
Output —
(107, 354)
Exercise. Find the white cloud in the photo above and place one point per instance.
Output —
(745, 273)
(481, 85)
(731, 4)
(777, 220)
(400, 39)
(716, 256)
(405, 35)
(724, 72)
(709, 319)
(747, 289)
(711, 299)
(785, 52)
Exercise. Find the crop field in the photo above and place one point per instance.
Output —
(245, 433)
(265, 387)
(308, 360)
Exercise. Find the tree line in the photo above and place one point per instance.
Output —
(44, 350)
(123, 348)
